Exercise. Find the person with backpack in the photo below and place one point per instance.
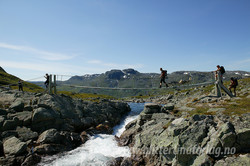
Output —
(233, 84)
(163, 77)
(220, 69)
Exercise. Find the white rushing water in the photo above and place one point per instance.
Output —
(99, 149)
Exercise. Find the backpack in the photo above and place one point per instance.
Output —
(222, 70)
(236, 81)
(164, 73)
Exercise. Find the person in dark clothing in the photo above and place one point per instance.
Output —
(47, 80)
(233, 84)
(163, 77)
(20, 85)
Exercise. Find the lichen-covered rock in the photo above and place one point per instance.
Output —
(197, 140)
(241, 160)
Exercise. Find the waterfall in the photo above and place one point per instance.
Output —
(99, 149)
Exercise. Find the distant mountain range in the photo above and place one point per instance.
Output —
(130, 78)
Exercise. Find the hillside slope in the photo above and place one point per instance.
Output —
(10, 81)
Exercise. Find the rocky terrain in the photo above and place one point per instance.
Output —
(191, 127)
(35, 124)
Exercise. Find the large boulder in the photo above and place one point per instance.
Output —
(49, 136)
(24, 117)
(17, 105)
(151, 108)
(14, 146)
(186, 141)
(43, 119)
(10, 124)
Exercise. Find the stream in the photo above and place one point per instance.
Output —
(99, 149)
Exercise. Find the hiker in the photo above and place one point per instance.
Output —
(163, 76)
(20, 85)
(220, 69)
(233, 84)
(47, 80)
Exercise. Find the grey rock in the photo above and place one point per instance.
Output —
(42, 114)
(49, 136)
(31, 160)
(203, 160)
(2, 119)
(28, 108)
(43, 119)
(7, 134)
(14, 146)
(243, 137)
(49, 149)
(18, 105)
(24, 117)
(241, 160)
(168, 107)
(26, 134)
(10, 124)
(131, 124)
(151, 108)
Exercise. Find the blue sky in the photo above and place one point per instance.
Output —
(77, 37)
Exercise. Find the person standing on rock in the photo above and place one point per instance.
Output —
(20, 85)
(163, 77)
(47, 80)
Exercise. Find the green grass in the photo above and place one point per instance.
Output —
(241, 107)
(86, 96)
(201, 111)
(8, 79)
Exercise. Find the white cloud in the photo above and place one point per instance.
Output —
(43, 54)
